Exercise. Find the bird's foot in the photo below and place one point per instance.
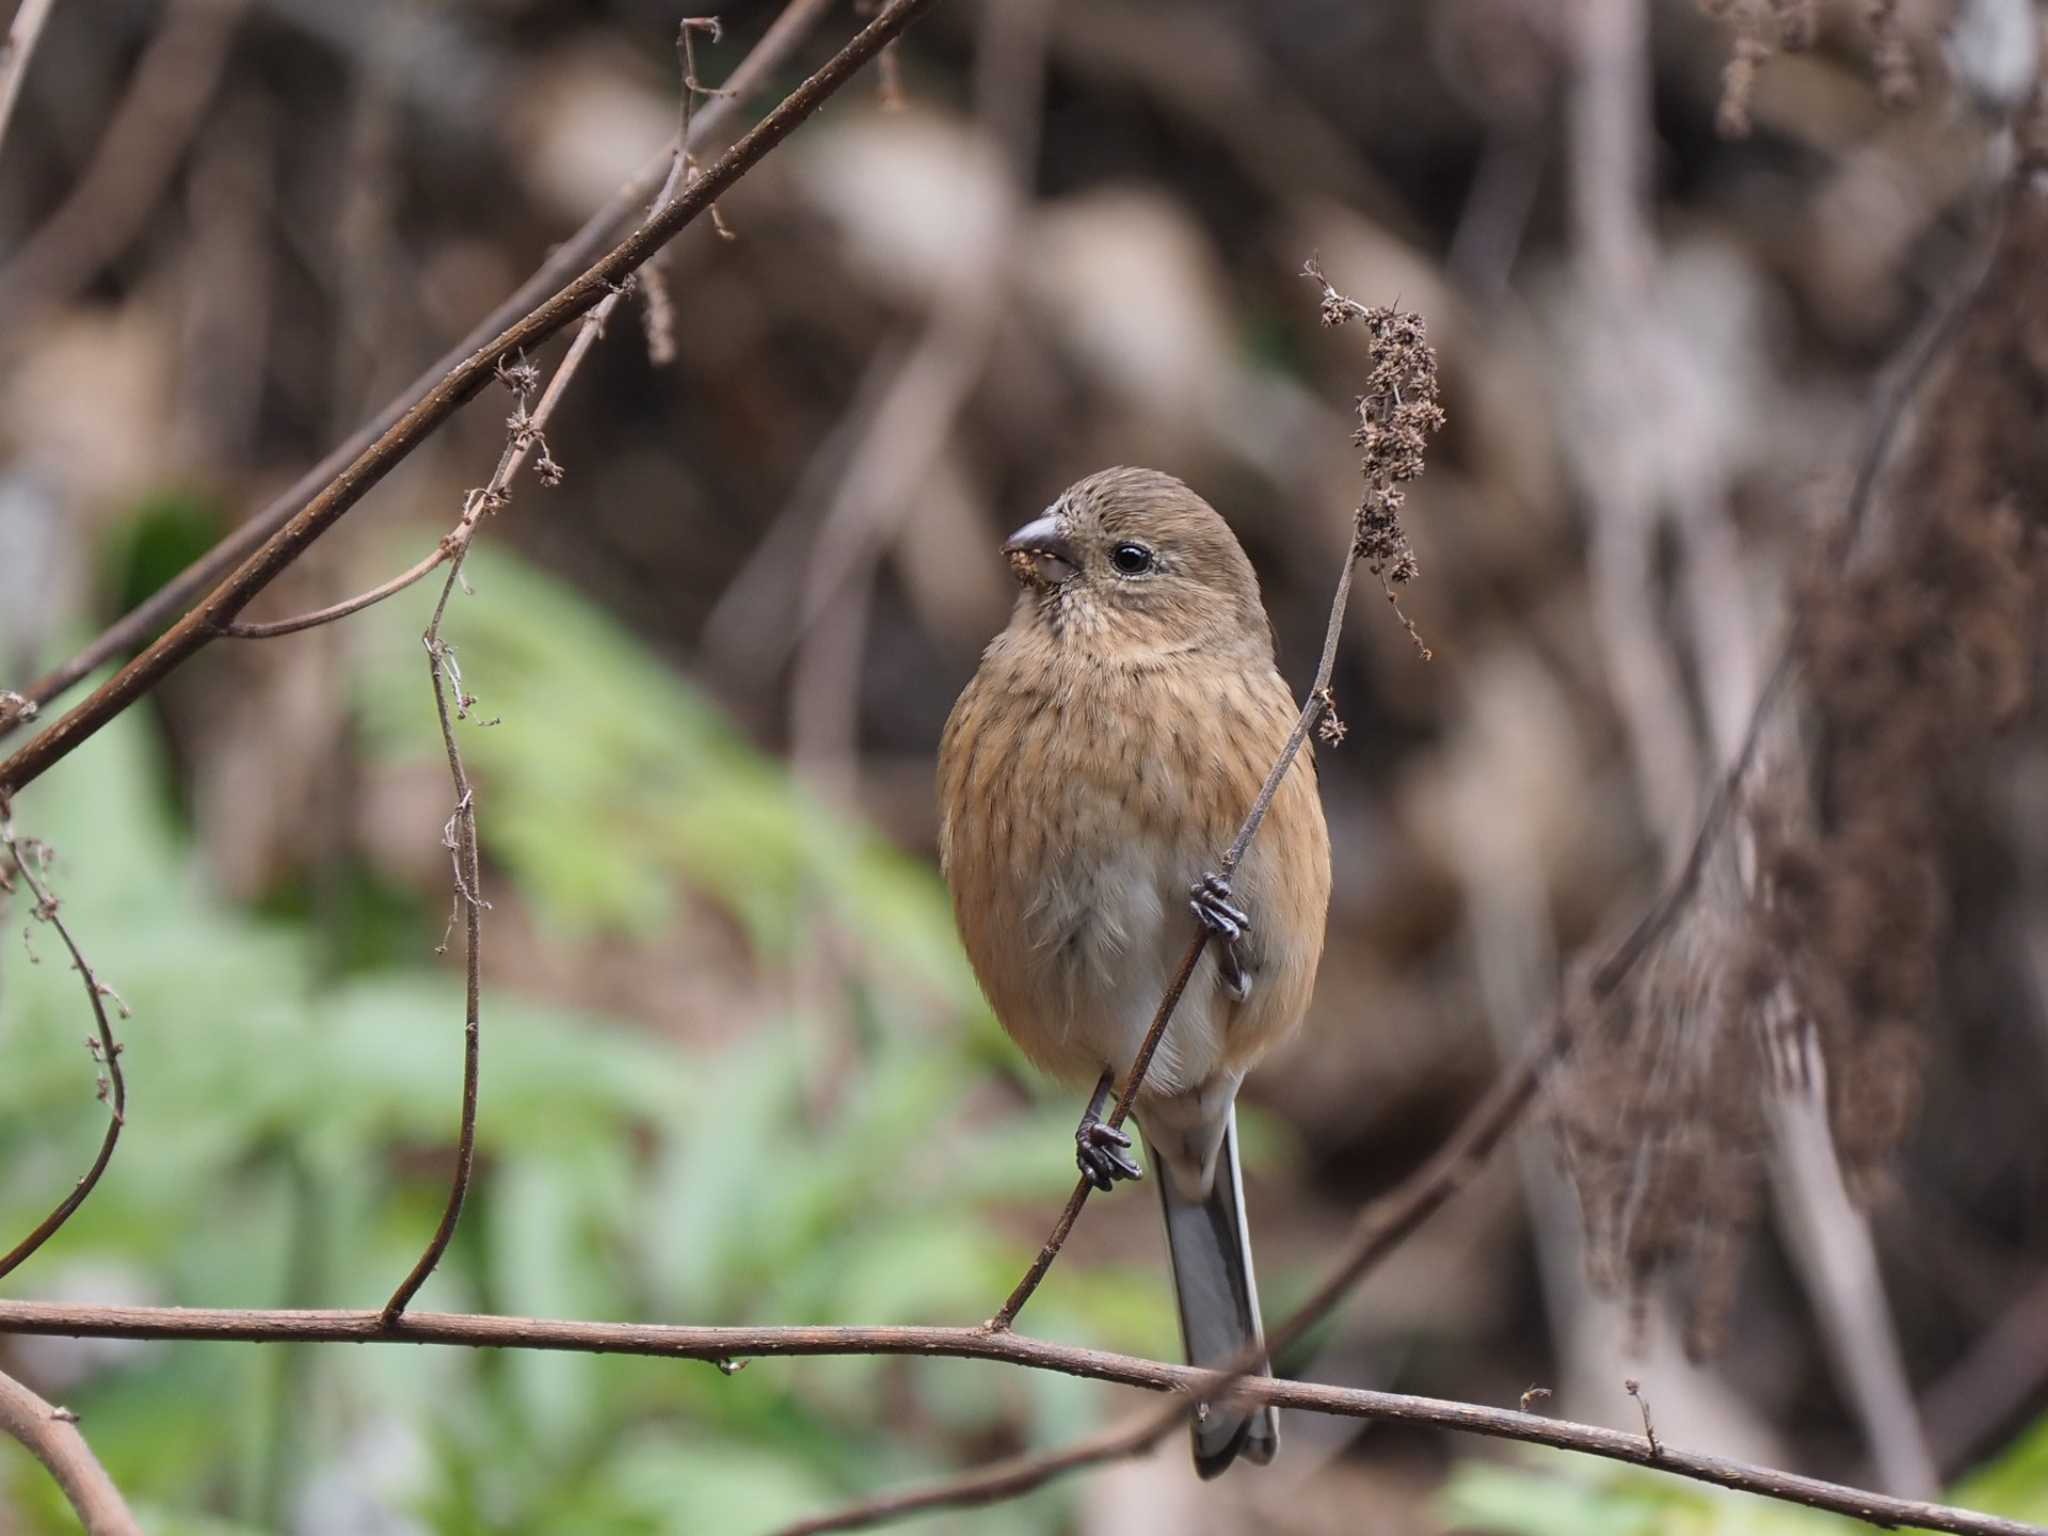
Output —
(1102, 1151)
(1210, 899)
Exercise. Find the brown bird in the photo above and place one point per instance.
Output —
(1089, 777)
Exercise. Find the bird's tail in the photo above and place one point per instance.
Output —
(1219, 1303)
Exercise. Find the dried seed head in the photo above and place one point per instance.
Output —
(1399, 412)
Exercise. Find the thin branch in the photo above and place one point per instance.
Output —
(789, 29)
(23, 857)
(721, 1346)
(526, 431)
(22, 35)
(461, 841)
(273, 628)
(50, 1434)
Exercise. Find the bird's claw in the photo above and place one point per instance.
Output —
(1100, 1150)
(1210, 899)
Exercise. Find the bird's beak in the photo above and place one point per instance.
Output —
(1040, 552)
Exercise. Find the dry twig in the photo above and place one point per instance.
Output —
(24, 856)
(460, 839)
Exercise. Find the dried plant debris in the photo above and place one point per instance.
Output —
(1762, 28)
(1660, 1121)
(1399, 412)
(1817, 933)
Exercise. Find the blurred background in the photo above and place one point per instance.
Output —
(735, 1068)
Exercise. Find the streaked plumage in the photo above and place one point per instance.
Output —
(1094, 769)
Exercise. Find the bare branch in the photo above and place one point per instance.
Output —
(273, 628)
(23, 857)
(723, 1346)
(461, 840)
(50, 1434)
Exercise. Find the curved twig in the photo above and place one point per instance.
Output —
(50, 1434)
(271, 629)
(721, 1346)
(106, 1050)
(461, 841)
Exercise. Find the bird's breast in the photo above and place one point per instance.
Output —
(1077, 806)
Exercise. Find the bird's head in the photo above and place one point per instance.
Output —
(1132, 556)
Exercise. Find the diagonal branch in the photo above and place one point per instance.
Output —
(281, 534)
(23, 855)
(50, 1434)
(721, 1346)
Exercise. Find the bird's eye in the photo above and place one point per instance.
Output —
(1131, 559)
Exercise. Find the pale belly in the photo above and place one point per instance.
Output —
(1076, 953)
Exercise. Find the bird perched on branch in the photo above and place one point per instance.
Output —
(1089, 778)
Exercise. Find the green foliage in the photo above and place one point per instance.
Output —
(166, 532)
(290, 1124)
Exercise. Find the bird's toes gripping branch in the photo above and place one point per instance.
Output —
(1102, 1151)
(1210, 898)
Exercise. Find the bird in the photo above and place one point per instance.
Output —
(1090, 775)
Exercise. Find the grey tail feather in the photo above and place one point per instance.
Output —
(1219, 1303)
